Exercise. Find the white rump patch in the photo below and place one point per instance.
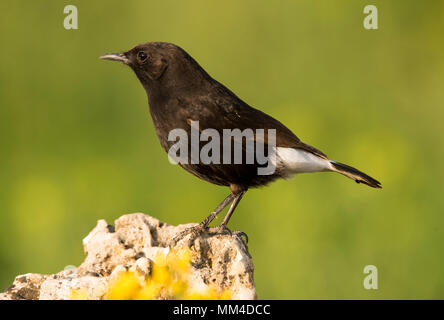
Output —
(291, 161)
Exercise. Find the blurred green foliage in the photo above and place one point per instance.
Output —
(77, 143)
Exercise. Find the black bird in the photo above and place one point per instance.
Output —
(180, 91)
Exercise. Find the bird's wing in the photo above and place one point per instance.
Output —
(224, 110)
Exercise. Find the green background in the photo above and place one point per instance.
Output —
(78, 144)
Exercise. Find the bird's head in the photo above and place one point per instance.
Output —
(161, 66)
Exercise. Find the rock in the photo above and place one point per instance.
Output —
(132, 244)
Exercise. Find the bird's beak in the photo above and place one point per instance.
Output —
(115, 57)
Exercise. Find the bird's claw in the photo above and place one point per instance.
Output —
(199, 229)
(194, 231)
(221, 229)
(241, 235)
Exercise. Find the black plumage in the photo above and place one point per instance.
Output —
(180, 91)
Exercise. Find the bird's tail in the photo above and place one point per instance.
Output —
(355, 174)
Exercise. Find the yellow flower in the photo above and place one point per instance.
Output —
(170, 279)
(210, 293)
(125, 287)
(150, 291)
(180, 260)
(161, 275)
(79, 294)
(225, 295)
(179, 287)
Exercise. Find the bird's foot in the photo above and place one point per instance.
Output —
(221, 229)
(195, 231)
(241, 235)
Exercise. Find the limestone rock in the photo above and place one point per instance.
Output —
(132, 244)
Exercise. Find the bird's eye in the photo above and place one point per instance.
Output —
(142, 56)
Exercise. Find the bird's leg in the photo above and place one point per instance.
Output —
(196, 230)
(223, 226)
(230, 212)
(216, 211)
